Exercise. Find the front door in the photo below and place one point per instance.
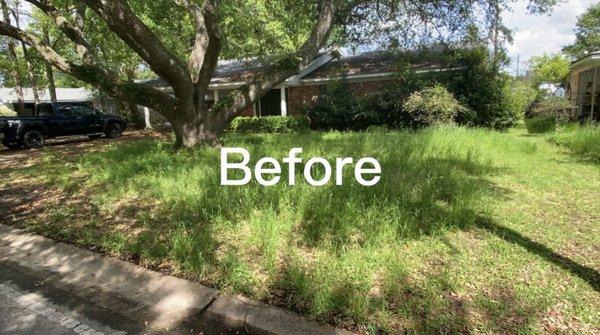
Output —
(270, 104)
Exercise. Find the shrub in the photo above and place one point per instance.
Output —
(479, 86)
(583, 140)
(339, 109)
(545, 115)
(540, 124)
(269, 124)
(555, 107)
(431, 106)
(6, 111)
(489, 96)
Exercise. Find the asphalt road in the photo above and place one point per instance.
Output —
(30, 307)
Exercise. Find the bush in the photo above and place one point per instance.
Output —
(545, 115)
(540, 124)
(488, 95)
(269, 124)
(479, 86)
(6, 111)
(583, 140)
(339, 109)
(555, 107)
(431, 106)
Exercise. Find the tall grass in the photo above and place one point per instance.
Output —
(334, 253)
(582, 140)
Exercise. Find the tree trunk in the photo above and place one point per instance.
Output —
(30, 69)
(12, 56)
(51, 84)
(147, 123)
(31, 75)
(50, 71)
(192, 129)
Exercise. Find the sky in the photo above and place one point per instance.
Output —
(538, 34)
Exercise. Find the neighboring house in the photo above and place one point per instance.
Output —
(584, 87)
(8, 97)
(365, 73)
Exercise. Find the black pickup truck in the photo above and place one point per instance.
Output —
(58, 119)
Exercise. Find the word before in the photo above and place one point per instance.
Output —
(267, 170)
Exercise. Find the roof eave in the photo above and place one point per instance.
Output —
(582, 62)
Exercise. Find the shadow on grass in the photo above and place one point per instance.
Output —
(589, 275)
(184, 216)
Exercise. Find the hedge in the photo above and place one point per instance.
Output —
(269, 124)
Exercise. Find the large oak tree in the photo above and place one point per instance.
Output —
(186, 55)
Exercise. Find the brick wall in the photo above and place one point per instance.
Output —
(249, 111)
(305, 95)
(301, 96)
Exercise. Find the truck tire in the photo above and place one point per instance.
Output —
(34, 139)
(114, 130)
(12, 145)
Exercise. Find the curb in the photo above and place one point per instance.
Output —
(164, 303)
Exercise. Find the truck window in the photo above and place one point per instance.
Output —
(45, 109)
(66, 110)
(83, 110)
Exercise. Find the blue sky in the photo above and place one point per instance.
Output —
(538, 34)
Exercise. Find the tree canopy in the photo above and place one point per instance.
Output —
(587, 33)
(549, 69)
(107, 44)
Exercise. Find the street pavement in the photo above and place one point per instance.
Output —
(30, 307)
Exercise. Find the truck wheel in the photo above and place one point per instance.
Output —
(114, 130)
(33, 139)
(12, 145)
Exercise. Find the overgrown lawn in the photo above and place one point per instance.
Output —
(468, 231)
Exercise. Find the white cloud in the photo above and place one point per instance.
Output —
(538, 34)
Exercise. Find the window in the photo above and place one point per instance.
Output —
(79, 110)
(45, 109)
(83, 110)
(66, 110)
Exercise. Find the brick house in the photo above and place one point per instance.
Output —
(364, 73)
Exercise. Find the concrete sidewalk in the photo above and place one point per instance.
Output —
(164, 304)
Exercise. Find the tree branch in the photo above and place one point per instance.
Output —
(94, 75)
(205, 52)
(275, 74)
(128, 26)
(73, 32)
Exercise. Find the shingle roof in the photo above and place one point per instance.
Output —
(8, 95)
(226, 72)
(367, 63)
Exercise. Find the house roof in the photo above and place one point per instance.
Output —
(8, 95)
(230, 71)
(591, 59)
(328, 66)
(371, 63)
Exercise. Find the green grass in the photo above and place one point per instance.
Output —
(468, 231)
(582, 140)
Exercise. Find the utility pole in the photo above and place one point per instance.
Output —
(518, 63)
